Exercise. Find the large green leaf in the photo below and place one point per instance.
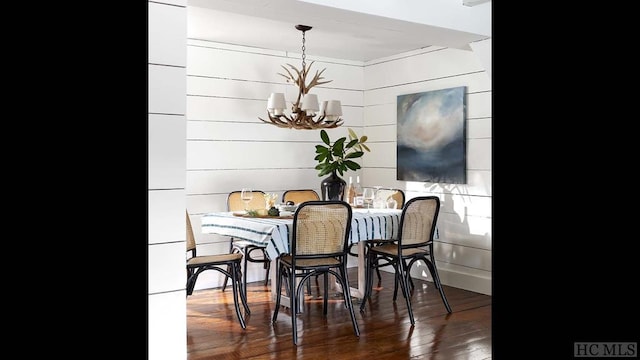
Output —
(325, 137)
(353, 155)
(351, 143)
(351, 165)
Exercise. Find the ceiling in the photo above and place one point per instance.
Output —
(338, 32)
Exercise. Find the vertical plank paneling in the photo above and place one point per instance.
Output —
(166, 179)
(167, 34)
(167, 151)
(164, 98)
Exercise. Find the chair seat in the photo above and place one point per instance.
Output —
(213, 259)
(300, 263)
(392, 249)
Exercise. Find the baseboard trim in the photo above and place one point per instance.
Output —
(462, 280)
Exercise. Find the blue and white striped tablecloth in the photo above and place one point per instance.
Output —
(276, 233)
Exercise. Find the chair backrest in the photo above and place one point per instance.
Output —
(321, 228)
(300, 196)
(234, 202)
(384, 193)
(418, 221)
(191, 240)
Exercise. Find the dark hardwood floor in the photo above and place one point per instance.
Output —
(213, 331)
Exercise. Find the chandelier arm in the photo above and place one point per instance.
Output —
(316, 80)
(276, 119)
(301, 122)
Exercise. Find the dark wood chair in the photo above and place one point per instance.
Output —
(250, 251)
(227, 264)
(399, 197)
(300, 196)
(319, 243)
(414, 243)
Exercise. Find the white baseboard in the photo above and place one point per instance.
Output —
(479, 283)
(458, 279)
(470, 282)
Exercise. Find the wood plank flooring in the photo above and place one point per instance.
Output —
(213, 330)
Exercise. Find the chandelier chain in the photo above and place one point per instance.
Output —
(304, 56)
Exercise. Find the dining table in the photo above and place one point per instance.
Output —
(275, 233)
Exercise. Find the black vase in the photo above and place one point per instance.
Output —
(333, 187)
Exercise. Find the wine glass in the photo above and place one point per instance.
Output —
(368, 195)
(376, 198)
(246, 195)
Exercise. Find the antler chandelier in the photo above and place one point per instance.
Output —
(305, 109)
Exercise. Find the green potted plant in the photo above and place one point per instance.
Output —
(338, 157)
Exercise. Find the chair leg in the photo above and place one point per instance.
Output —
(325, 295)
(243, 293)
(402, 277)
(294, 306)
(367, 280)
(409, 279)
(278, 292)
(191, 282)
(234, 283)
(395, 282)
(436, 280)
(245, 270)
(436, 277)
(368, 245)
(309, 287)
(379, 277)
(226, 278)
(408, 267)
(267, 266)
(344, 282)
(285, 277)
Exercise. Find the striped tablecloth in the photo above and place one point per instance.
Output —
(276, 233)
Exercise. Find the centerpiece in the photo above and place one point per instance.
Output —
(337, 157)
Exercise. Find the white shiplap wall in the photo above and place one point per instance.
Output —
(463, 250)
(167, 24)
(229, 148)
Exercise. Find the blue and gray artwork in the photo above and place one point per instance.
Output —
(432, 136)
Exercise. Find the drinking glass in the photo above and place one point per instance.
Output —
(246, 195)
(392, 203)
(368, 195)
(378, 203)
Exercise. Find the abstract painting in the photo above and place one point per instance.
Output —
(432, 136)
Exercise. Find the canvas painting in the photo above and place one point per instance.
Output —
(432, 136)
